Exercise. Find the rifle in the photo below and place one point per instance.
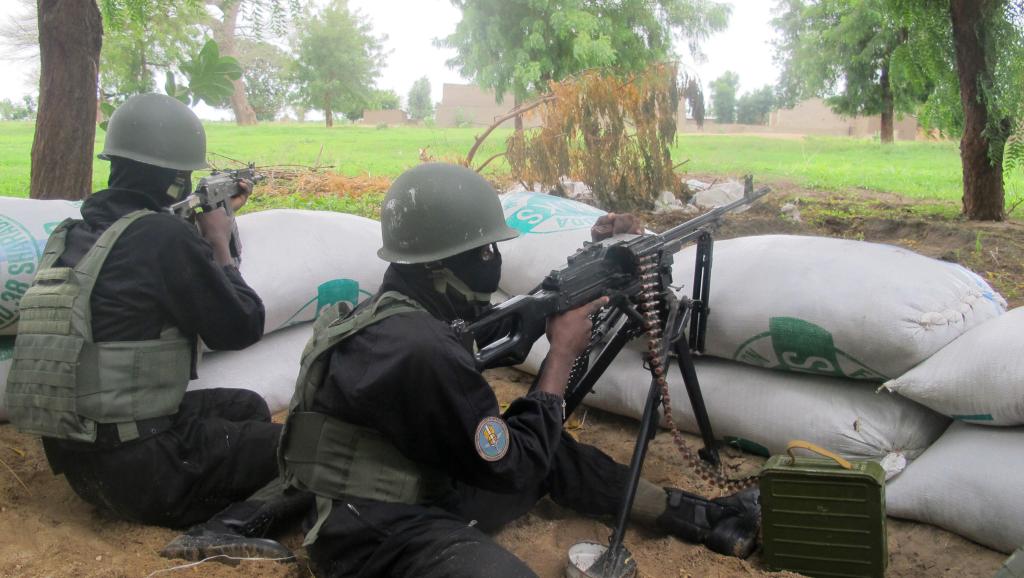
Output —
(216, 191)
(635, 272)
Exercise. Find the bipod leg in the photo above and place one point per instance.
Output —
(709, 453)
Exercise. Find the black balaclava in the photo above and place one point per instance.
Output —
(480, 275)
(156, 182)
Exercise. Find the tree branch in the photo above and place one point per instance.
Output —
(488, 161)
(501, 119)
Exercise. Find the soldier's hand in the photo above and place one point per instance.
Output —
(215, 227)
(569, 333)
(615, 224)
(244, 190)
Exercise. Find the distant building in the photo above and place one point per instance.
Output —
(813, 116)
(469, 105)
(388, 117)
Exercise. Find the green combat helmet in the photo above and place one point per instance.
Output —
(437, 210)
(157, 130)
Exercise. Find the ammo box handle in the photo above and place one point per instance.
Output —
(800, 444)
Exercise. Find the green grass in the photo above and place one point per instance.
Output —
(924, 170)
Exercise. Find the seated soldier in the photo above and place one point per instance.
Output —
(108, 340)
(401, 439)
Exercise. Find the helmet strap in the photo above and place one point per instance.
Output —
(443, 279)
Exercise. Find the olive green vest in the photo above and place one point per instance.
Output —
(332, 458)
(61, 382)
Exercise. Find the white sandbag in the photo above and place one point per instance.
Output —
(835, 307)
(550, 229)
(269, 367)
(25, 225)
(977, 378)
(6, 358)
(761, 411)
(970, 482)
(300, 261)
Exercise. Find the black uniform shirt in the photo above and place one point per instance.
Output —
(411, 379)
(160, 273)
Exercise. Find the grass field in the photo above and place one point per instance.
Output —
(926, 170)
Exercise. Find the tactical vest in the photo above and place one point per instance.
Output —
(332, 458)
(62, 383)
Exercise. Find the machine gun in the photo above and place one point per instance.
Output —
(216, 191)
(635, 272)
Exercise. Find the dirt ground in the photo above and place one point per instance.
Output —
(48, 531)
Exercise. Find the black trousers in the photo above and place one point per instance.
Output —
(220, 448)
(368, 538)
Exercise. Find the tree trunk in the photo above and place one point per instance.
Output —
(224, 35)
(519, 118)
(328, 115)
(983, 176)
(887, 106)
(70, 36)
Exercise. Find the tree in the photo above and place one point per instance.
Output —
(519, 46)
(723, 97)
(379, 99)
(754, 107)
(419, 104)
(339, 59)
(842, 50)
(268, 85)
(970, 56)
(70, 36)
(10, 110)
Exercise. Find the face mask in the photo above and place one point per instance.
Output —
(479, 269)
(181, 187)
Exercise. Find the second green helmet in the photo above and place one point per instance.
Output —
(436, 210)
(157, 130)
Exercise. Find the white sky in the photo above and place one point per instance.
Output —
(411, 26)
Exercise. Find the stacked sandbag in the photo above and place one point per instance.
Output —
(269, 367)
(550, 229)
(6, 357)
(300, 261)
(761, 411)
(25, 225)
(971, 482)
(835, 307)
(978, 378)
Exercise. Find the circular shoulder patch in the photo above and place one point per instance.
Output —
(492, 439)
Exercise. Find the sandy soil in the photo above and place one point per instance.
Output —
(48, 531)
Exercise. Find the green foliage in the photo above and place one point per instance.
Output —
(723, 97)
(462, 118)
(419, 104)
(259, 13)
(844, 51)
(754, 107)
(26, 110)
(378, 99)
(268, 85)
(339, 59)
(209, 77)
(142, 37)
(519, 46)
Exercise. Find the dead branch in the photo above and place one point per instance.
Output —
(521, 109)
(488, 161)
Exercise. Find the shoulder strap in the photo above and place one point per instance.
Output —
(88, 269)
(56, 243)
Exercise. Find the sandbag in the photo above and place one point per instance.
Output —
(6, 358)
(300, 261)
(835, 307)
(25, 225)
(269, 367)
(760, 411)
(978, 378)
(970, 482)
(550, 229)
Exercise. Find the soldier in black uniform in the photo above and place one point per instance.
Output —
(401, 438)
(112, 324)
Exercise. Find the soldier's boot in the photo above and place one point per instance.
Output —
(728, 525)
(238, 531)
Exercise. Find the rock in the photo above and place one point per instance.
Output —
(791, 211)
(719, 195)
(697, 186)
(667, 201)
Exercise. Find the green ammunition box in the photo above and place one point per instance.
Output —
(823, 516)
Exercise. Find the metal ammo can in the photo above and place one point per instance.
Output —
(823, 516)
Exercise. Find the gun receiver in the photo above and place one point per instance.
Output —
(216, 191)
